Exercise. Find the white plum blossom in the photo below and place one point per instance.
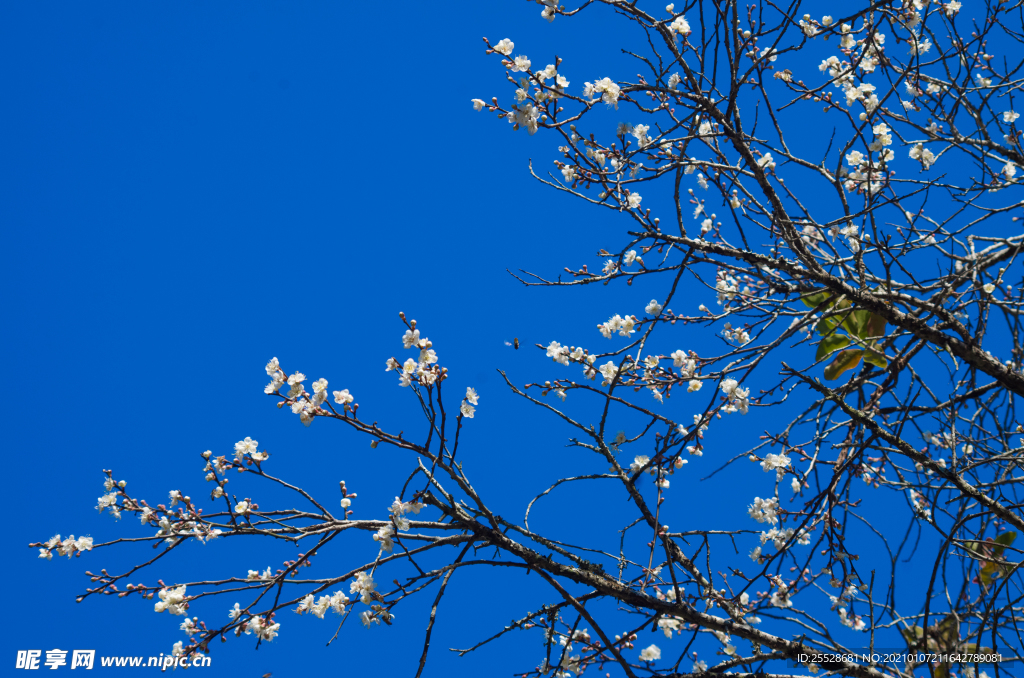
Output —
(385, 536)
(764, 510)
(624, 326)
(505, 46)
(736, 396)
(650, 653)
(520, 64)
(680, 25)
(775, 461)
(855, 622)
(922, 154)
(244, 447)
(171, 600)
(608, 371)
(608, 90)
(653, 308)
(263, 629)
(781, 597)
(410, 338)
(558, 353)
(363, 586)
(669, 624)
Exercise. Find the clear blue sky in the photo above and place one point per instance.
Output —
(191, 188)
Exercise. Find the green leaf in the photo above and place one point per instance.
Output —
(875, 326)
(912, 635)
(994, 548)
(817, 299)
(846, 360)
(855, 322)
(948, 632)
(831, 344)
(829, 323)
(875, 358)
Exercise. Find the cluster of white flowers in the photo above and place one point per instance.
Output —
(256, 575)
(385, 535)
(735, 335)
(867, 174)
(736, 397)
(68, 547)
(265, 629)
(920, 504)
(774, 462)
(109, 501)
(850, 232)
(467, 408)
(624, 326)
(780, 537)
(524, 115)
(398, 509)
(781, 596)
(855, 622)
(363, 586)
(686, 361)
(669, 624)
(424, 369)
(680, 25)
(764, 510)
(302, 403)
(277, 377)
(550, 9)
(726, 286)
(558, 353)
(640, 461)
(249, 448)
(609, 370)
(923, 155)
(336, 601)
(811, 27)
(172, 600)
(608, 90)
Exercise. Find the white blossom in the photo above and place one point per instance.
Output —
(505, 46)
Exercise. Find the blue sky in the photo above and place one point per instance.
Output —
(190, 189)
